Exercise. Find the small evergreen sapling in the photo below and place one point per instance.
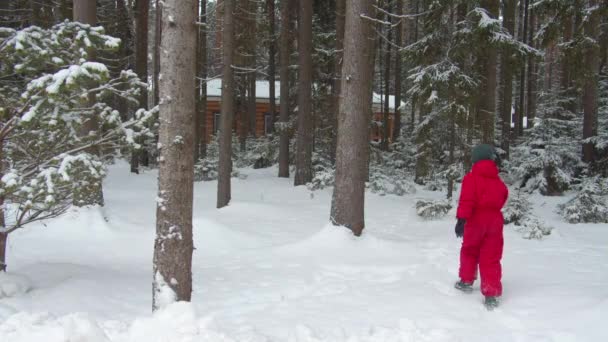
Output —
(590, 205)
(46, 83)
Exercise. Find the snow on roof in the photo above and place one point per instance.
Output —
(262, 88)
(379, 99)
(262, 91)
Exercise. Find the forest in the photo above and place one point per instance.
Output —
(202, 133)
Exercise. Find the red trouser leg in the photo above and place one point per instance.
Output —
(470, 252)
(489, 260)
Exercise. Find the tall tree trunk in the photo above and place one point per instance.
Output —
(304, 143)
(398, 80)
(173, 245)
(227, 106)
(521, 105)
(251, 45)
(416, 7)
(507, 78)
(488, 102)
(287, 7)
(251, 103)
(348, 200)
(566, 76)
(335, 90)
(590, 88)
(272, 50)
(158, 38)
(3, 236)
(141, 63)
(200, 145)
(532, 70)
(86, 12)
(387, 83)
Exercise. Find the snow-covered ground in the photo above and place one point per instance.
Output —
(269, 268)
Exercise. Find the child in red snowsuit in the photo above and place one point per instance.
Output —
(480, 220)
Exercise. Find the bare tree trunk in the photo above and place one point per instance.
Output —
(158, 38)
(141, 62)
(488, 103)
(519, 123)
(272, 50)
(416, 6)
(251, 60)
(590, 88)
(507, 78)
(387, 83)
(335, 90)
(398, 79)
(173, 245)
(285, 37)
(227, 107)
(304, 143)
(348, 200)
(604, 43)
(201, 94)
(251, 104)
(532, 78)
(3, 236)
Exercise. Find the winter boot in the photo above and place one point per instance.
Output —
(464, 287)
(491, 303)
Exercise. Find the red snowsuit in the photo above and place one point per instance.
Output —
(482, 197)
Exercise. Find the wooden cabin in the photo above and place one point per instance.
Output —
(263, 118)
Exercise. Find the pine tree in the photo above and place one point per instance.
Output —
(227, 106)
(507, 66)
(45, 160)
(305, 128)
(287, 6)
(353, 121)
(272, 48)
(173, 246)
(591, 81)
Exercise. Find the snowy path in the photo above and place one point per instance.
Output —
(268, 268)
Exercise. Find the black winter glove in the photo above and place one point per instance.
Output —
(460, 227)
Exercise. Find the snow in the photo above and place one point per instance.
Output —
(270, 268)
(262, 91)
(12, 285)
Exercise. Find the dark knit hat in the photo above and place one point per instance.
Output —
(483, 152)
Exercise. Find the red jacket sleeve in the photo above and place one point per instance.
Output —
(467, 201)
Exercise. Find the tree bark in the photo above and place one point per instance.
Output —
(141, 63)
(3, 236)
(590, 88)
(173, 245)
(227, 107)
(348, 200)
(387, 83)
(201, 94)
(339, 55)
(272, 51)
(284, 55)
(488, 102)
(507, 79)
(398, 78)
(305, 134)
(520, 113)
(532, 77)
